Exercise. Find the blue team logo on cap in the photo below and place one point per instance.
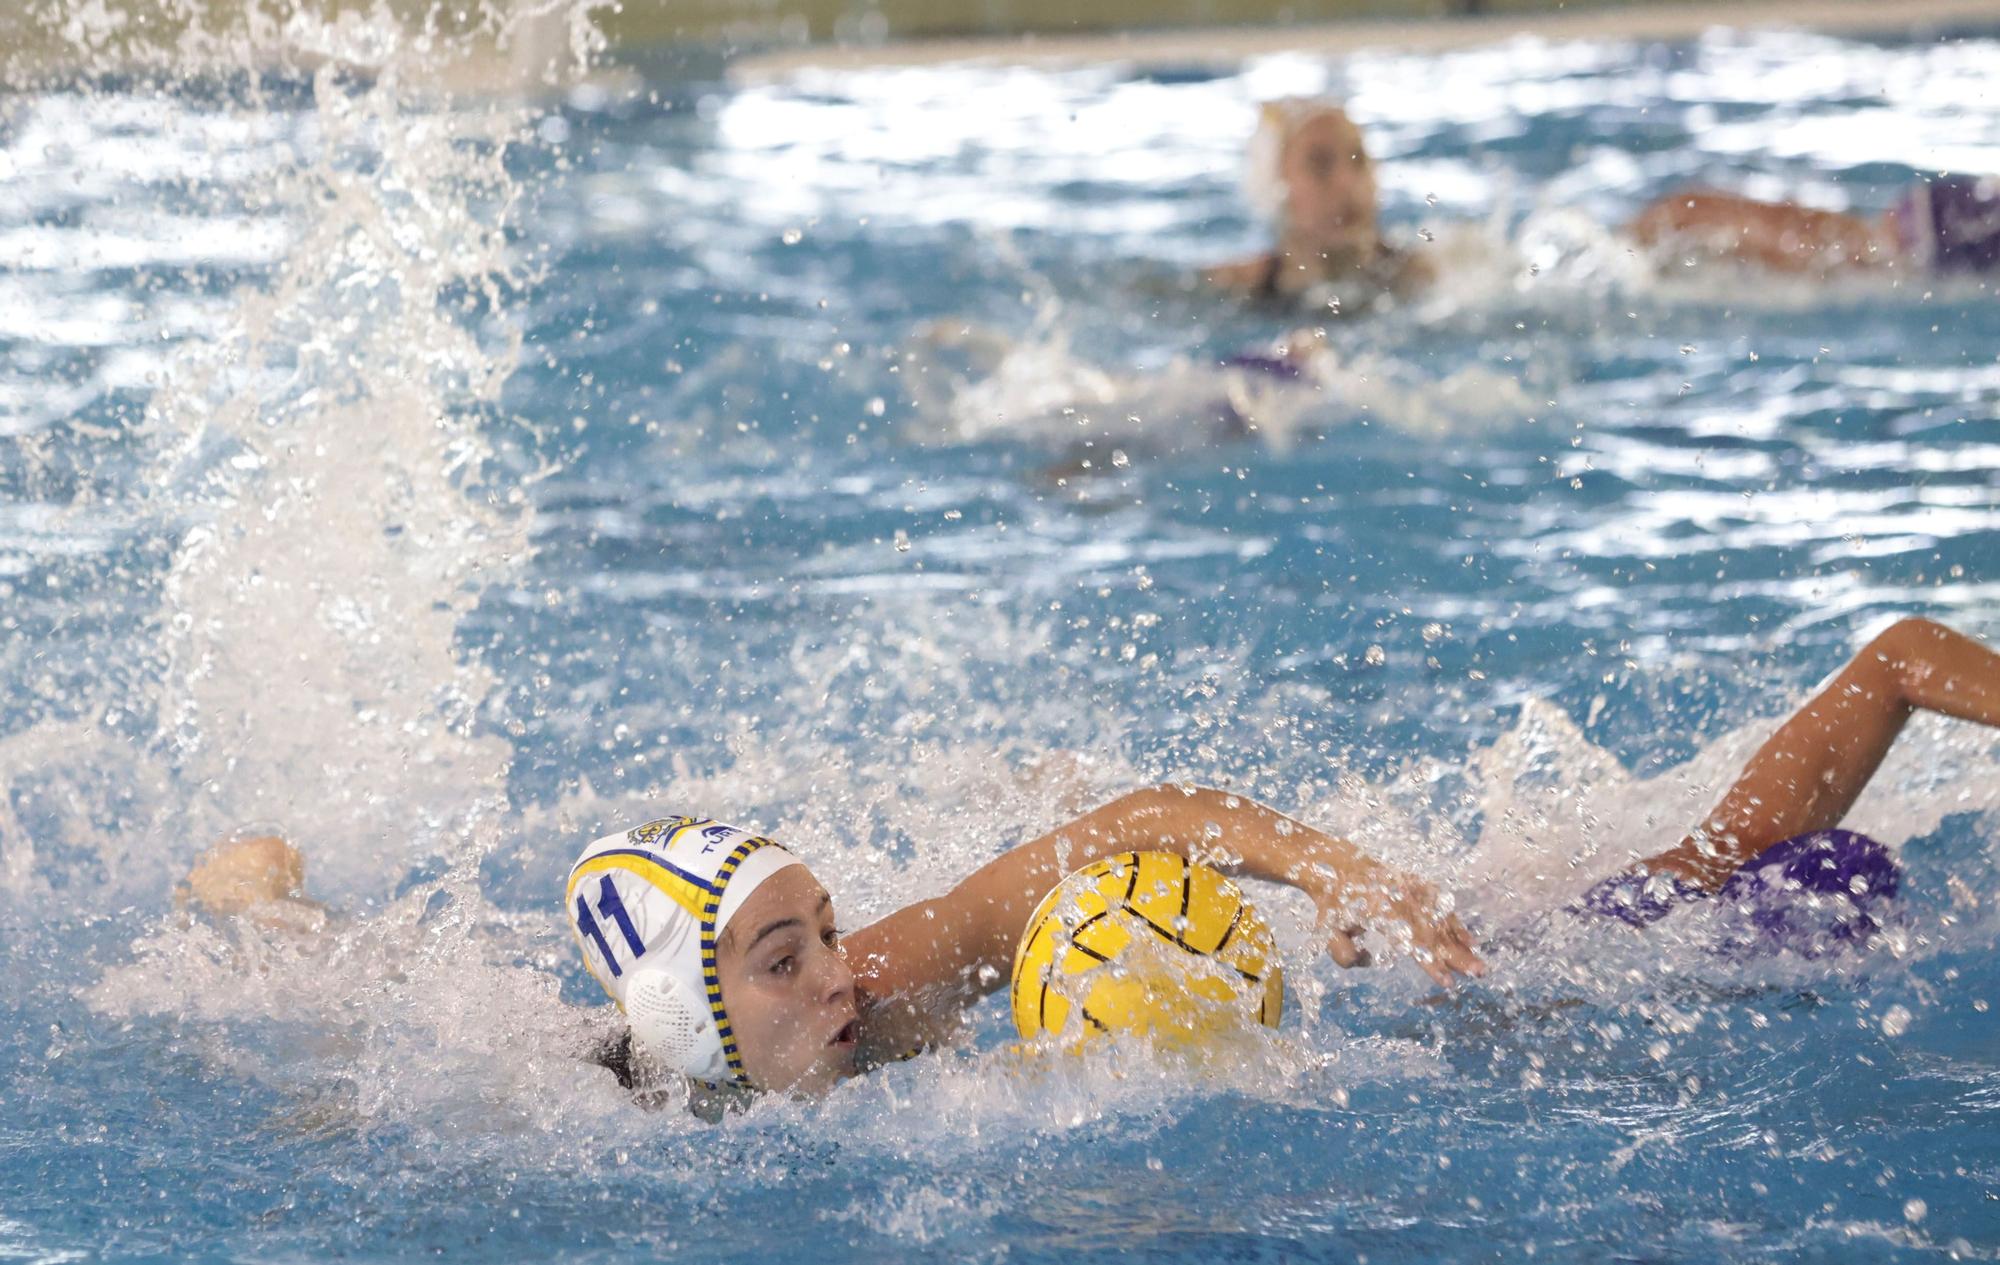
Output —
(715, 834)
(647, 835)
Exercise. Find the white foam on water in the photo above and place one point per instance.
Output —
(975, 384)
(880, 758)
(435, 1011)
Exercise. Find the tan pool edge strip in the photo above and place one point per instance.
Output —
(1227, 45)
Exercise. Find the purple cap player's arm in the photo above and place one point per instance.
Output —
(1807, 774)
(1783, 236)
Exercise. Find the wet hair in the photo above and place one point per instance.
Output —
(654, 1089)
(615, 1053)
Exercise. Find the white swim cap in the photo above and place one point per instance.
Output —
(1264, 157)
(648, 906)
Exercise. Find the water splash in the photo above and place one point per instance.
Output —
(315, 457)
(317, 463)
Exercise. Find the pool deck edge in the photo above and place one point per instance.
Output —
(1227, 45)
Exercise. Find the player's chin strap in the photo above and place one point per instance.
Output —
(674, 1025)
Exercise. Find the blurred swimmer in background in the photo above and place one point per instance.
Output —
(1946, 225)
(1309, 172)
(720, 947)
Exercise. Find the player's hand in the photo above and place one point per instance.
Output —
(244, 871)
(1410, 911)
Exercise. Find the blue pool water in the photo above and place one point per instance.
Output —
(446, 484)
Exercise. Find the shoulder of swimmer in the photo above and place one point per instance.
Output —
(893, 1028)
(908, 999)
(1381, 267)
(1244, 276)
(1405, 271)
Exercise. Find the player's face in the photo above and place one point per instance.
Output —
(1329, 182)
(787, 989)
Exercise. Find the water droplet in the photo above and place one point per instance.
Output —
(1375, 657)
(1119, 459)
(1896, 1022)
(877, 407)
(902, 541)
(793, 236)
(1915, 1210)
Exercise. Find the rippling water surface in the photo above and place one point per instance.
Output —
(445, 482)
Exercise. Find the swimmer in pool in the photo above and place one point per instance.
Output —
(722, 947)
(1947, 225)
(1310, 173)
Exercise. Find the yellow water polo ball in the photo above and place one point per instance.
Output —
(1148, 944)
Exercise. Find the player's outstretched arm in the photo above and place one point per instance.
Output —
(1808, 774)
(938, 955)
(1777, 235)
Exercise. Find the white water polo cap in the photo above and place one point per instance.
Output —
(648, 906)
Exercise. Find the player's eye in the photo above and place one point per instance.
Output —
(830, 938)
(784, 965)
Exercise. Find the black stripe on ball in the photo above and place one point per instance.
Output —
(1187, 893)
(1230, 930)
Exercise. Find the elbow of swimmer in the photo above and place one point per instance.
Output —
(1183, 796)
(1909, 638)
(1912, 628)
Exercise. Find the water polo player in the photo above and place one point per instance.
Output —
(1946, 225)
(1309, 172)
(721, 946)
